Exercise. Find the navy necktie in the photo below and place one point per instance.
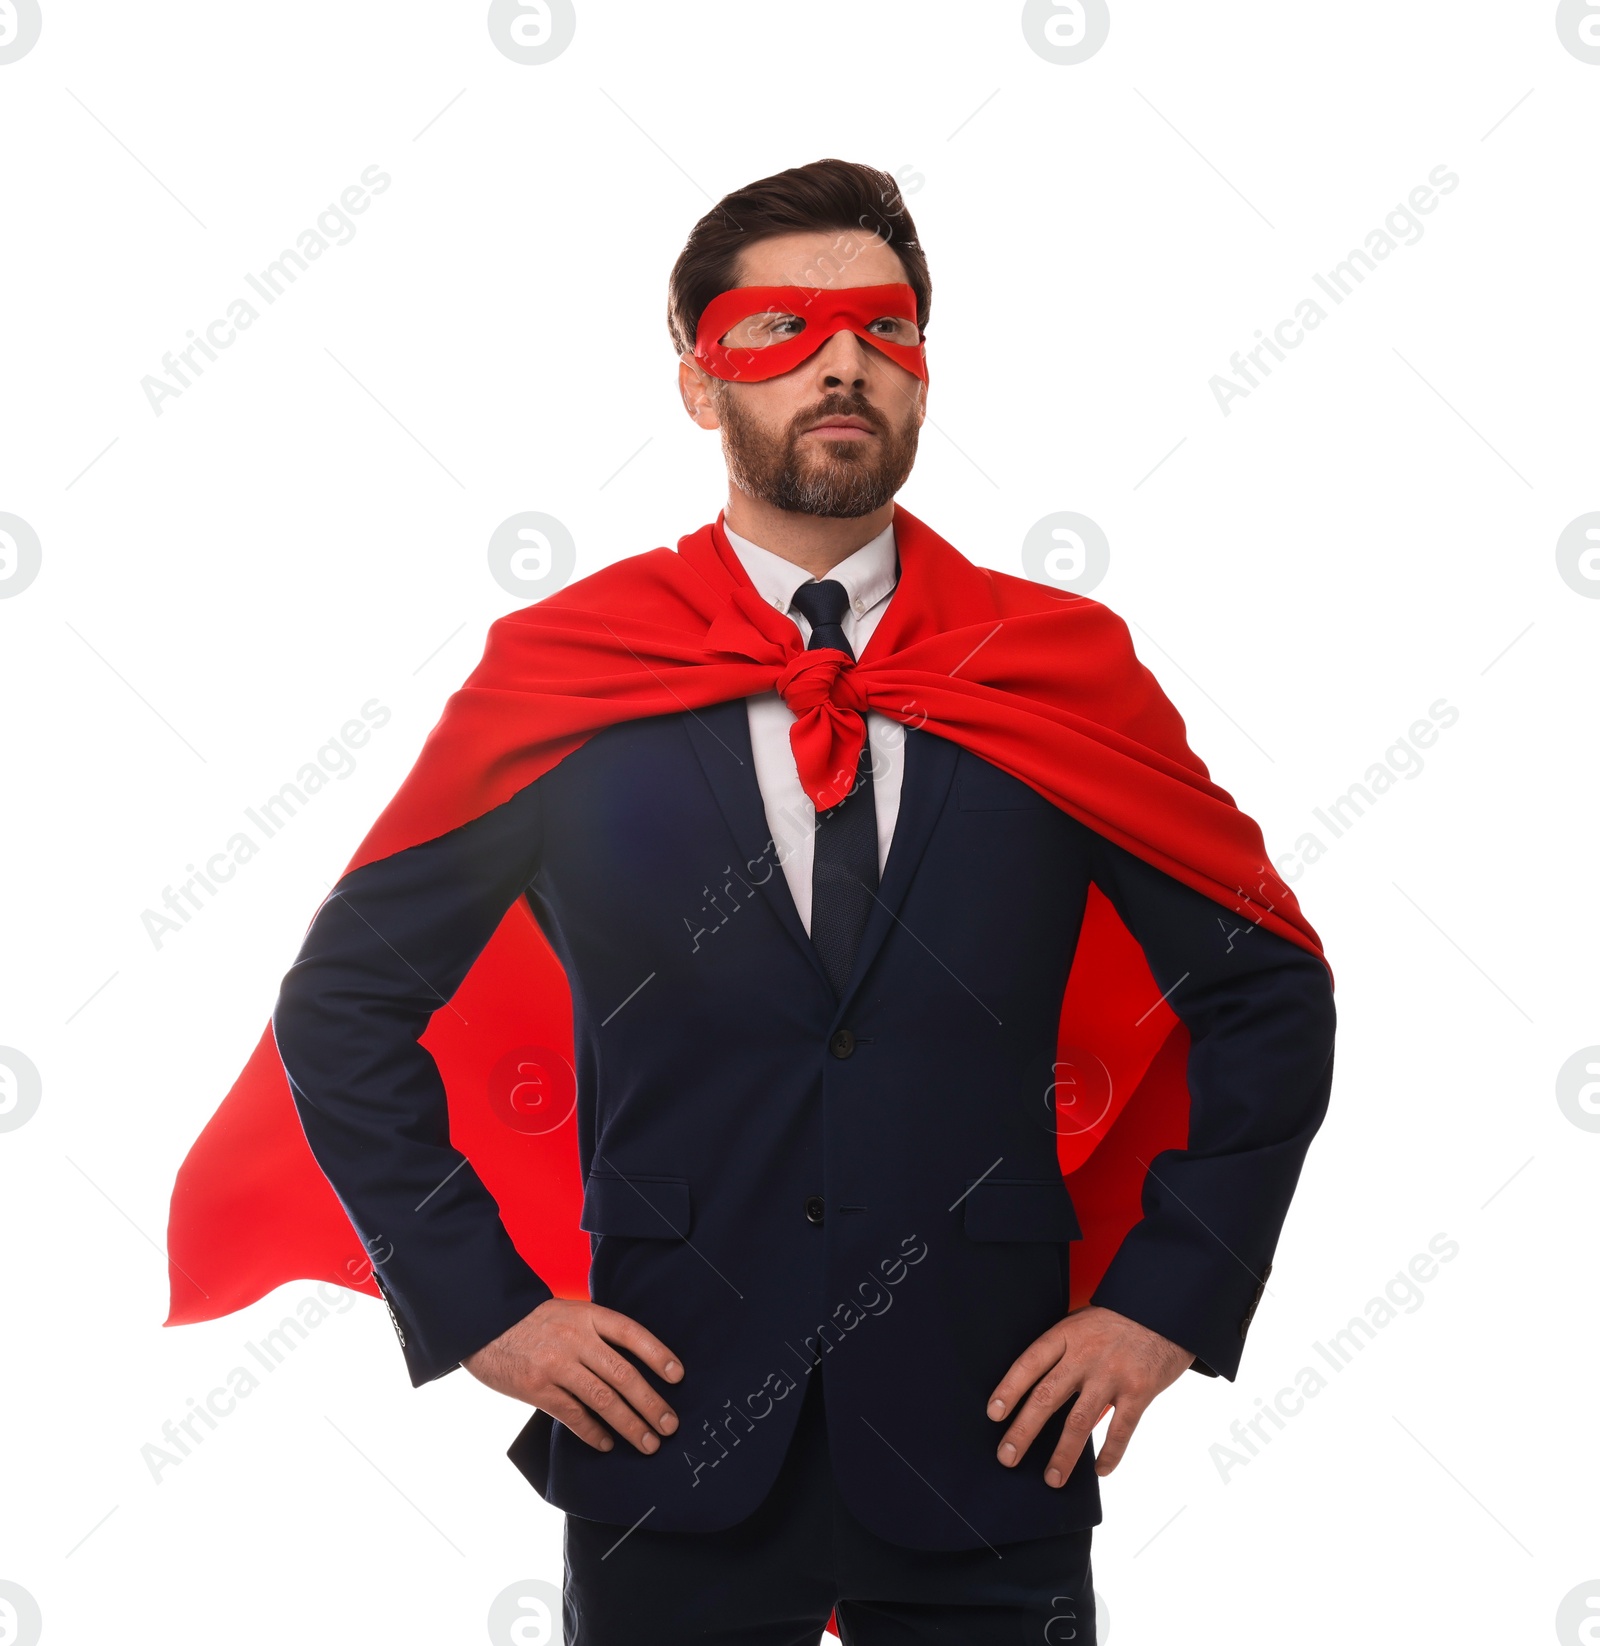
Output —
(844, 876)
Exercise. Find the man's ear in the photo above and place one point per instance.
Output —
(694, 385)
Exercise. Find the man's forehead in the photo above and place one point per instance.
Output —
(825, 257)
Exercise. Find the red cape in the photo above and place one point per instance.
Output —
(1043, 684)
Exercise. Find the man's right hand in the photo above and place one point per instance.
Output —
(562, 1359)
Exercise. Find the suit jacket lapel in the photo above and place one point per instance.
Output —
(720, 736)
(930, 764)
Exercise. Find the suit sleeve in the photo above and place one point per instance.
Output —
(1260, 1015)
(389, 946)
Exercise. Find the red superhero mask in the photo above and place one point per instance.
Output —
(751, 333)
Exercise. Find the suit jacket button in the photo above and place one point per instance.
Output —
(814, 1209)
(841, 1043)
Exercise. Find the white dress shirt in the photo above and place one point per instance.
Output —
(869, 578)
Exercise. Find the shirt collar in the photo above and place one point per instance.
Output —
(868, 574)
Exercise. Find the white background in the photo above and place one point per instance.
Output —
(305, 529)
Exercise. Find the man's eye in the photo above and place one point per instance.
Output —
(896, 329)
(758, 330)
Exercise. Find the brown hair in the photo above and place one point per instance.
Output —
(827, 194)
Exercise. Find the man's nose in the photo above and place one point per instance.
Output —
(843, 358)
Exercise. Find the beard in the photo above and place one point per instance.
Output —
(838, 479)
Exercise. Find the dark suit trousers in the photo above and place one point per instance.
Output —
(772, 1578)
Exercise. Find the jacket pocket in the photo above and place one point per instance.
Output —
(642, 1208)
(1020, 1209)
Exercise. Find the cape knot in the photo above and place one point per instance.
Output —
(811, 679)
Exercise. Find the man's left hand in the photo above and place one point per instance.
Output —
(1108, 1361)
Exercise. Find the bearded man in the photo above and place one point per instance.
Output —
(944, 1052)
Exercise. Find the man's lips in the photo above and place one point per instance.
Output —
(843, 428)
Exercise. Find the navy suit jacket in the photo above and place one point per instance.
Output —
(780, 1183)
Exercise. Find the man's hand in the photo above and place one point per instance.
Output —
(560, 1358)
(1109, 1361)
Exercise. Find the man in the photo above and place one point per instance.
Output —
(827, 1364)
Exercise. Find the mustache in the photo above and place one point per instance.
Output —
(840, 406)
